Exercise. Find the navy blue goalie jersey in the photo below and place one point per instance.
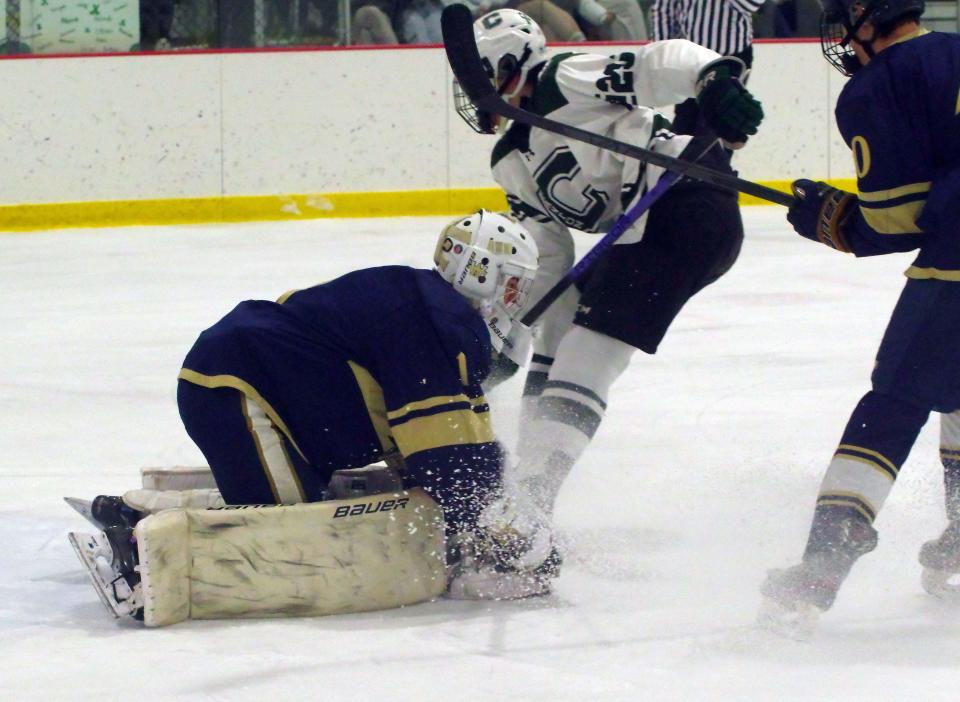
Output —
(900, 116)
(377, 362)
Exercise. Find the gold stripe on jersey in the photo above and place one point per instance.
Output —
(900, 218)
(882, 464)
(893, 193)
(453, 428)
(429, 403)
(462, 366)
(919, 32)
(851, 500)
(950, 454)
(286, 296)
(232, 381)
(918, 273)
(376, 406)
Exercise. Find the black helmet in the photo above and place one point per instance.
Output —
(842, 18)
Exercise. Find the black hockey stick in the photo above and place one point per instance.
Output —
(696, 146)
(461, 47)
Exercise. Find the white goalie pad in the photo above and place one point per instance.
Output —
(353, 555)
(177, 478)
(153, 501)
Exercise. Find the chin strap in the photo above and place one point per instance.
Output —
(851, 62)
(508, 336)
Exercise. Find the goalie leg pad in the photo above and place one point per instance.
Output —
(320, 558)
(186, 487)
(177, 478)
(153, 501)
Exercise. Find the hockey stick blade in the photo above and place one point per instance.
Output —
(461, 47)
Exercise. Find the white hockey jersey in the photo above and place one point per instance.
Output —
(553, 183)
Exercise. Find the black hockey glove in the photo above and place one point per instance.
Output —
(822, 213)
(727, 107)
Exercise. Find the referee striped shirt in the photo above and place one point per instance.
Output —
(722, 25)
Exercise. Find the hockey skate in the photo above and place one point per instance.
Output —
(796, 597)
(110, 556)
(940, 559)
(511, 556)
(476, 572)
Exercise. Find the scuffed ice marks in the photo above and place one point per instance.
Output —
(700, 479)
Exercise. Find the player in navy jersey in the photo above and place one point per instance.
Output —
(386, 364)
(900, 115)
(382, 363)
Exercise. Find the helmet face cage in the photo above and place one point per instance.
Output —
(842, 19)
(838, 25)
(513, 287)
(479, 121)
(510, 43)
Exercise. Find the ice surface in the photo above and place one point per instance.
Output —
(702, 476)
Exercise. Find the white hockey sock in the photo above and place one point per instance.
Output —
(552, 329)
(569, 410)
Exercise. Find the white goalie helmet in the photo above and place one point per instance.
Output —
(491, 259)
(510, 45)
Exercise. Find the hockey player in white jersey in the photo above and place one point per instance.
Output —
(687, 240)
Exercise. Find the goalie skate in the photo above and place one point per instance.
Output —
(84, 508)
(798, 623)
(112, 585)
(110, 556)
(475, 574)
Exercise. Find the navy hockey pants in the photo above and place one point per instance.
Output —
(252, 460)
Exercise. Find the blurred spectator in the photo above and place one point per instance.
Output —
(235, 23)
(629, 22)
(556, 22)
(807, 18)
(371, 23)
(611, 20)
(803, 16)
(156, 19)
(305, 22)
(771, 21)
(419, 22)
